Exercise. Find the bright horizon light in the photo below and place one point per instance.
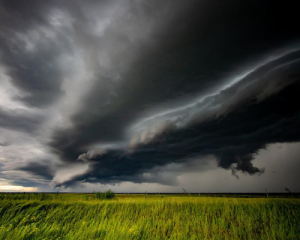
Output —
(11, 188)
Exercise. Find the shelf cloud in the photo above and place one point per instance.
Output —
(111, 91)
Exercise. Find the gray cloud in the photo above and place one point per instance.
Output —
(31, 48)
(130, 86)
(157, 74)
(4, 144)
(19, 120)
(233, 139)
(38, 169)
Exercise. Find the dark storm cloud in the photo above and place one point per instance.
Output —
(37, 169)
(233, 138)
(185, 53)
(143, 62)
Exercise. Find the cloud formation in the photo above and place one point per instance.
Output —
(119, 88)
(233, 138)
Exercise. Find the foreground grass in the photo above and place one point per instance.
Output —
(72, 216)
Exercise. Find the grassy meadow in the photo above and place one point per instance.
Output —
(129, 216)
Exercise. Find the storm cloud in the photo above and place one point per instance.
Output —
(233, 138)
(120, 88)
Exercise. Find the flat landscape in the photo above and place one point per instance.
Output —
(155, 216)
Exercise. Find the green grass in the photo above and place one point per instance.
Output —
(81, 216)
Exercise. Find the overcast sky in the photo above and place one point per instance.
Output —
(137, 95)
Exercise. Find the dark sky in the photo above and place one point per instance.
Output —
(159, 95)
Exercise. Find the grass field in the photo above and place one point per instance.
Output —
(81, 216)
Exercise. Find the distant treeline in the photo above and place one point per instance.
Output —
(238, 195)
(53, 195)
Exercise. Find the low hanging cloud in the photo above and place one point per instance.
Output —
(39, 169)
(108, 91)
(233, 137)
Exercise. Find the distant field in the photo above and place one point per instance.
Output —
(81, 216)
